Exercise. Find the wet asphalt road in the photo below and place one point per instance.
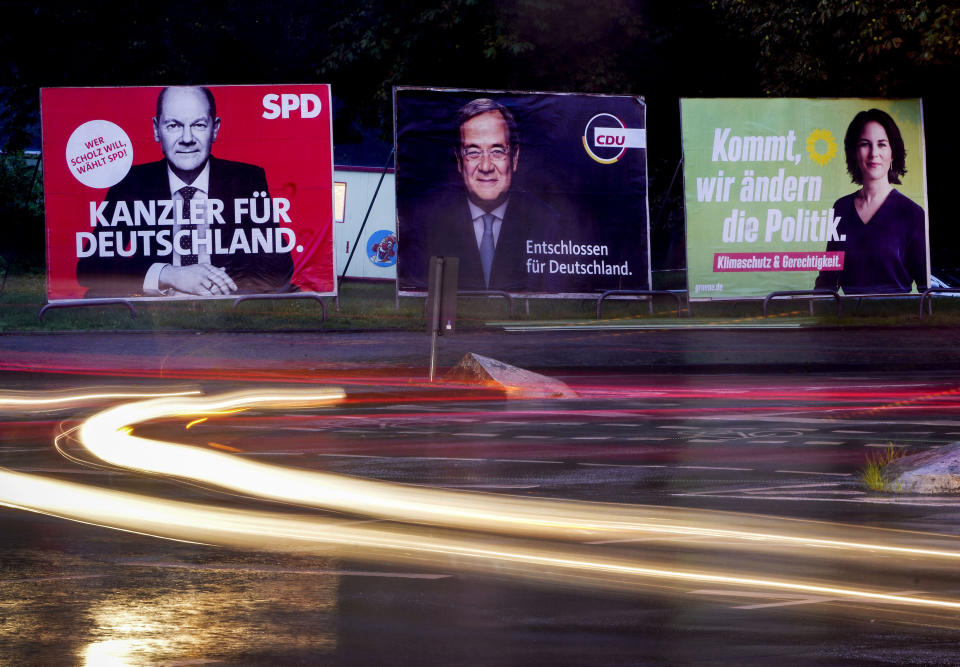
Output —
(781, 426)
(757, 347)
(774, 444)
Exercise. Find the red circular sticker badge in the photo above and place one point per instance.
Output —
(99, 154)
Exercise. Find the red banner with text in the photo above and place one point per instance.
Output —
(188, 191)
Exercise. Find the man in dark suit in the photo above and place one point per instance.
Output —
(488, 229)
(203, 190)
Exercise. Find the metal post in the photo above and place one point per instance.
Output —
(435, 315)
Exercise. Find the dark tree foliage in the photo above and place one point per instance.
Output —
(661, 50)
(21, 211)
(563, 45)
(854, 48)
(363, 49)
(859, 48)
(150, 43)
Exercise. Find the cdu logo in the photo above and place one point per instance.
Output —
(606, 138)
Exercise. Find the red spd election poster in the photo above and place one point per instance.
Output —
(188, 191)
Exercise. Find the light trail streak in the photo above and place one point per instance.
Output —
(108, 436)
(281, 375)
(71, 398)
(205, 524)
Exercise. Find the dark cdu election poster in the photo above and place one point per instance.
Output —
(188, 191)
(537, 194)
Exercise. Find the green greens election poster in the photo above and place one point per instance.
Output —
(804, 194)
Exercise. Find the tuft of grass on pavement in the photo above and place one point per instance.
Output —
(874, 473)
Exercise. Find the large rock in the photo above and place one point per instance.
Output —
(516, 382)
(935, 471)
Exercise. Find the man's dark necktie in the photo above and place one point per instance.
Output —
(487, 247)
(187, 193)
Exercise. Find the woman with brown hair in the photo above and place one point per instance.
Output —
(882, 232)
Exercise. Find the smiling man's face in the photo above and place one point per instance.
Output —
(486, 160)
(185, 129)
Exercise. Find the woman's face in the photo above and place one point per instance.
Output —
(873, 153)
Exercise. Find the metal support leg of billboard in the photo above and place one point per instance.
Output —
(288, 295)
(493, 294)
(930, 292)
(897, 295)
(793, 294)
(84, 304)
(649, 294)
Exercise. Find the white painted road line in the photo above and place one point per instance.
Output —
(354, 456)
(813, 492)
(810, 472)
(436, 458)
(405, 458)
(621, 465)
(788, 488)
(865, 500)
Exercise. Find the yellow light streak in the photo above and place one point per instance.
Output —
(196, 421)
(74, 397)
(227, 527)
(226, 448)
(107, 436)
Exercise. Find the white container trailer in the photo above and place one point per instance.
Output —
(376, 256)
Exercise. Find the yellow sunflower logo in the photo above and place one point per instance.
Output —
(821, 157)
